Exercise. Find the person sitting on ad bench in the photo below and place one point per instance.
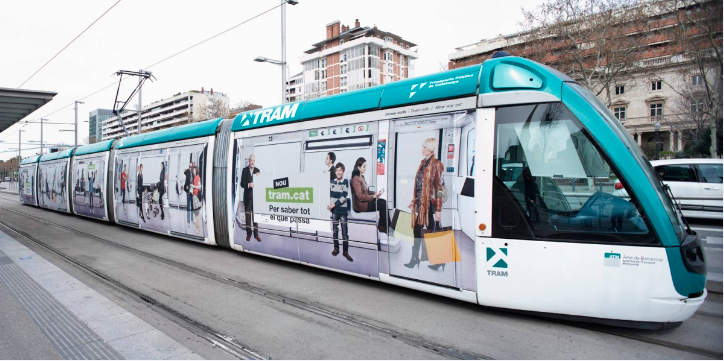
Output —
(338, 192)
(247, 182)
(366, 200)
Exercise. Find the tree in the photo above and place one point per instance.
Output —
(216, 108)
(596, 42)
(697, 35)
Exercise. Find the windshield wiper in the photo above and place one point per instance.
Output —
(677, 205)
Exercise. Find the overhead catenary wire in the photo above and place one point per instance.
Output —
(147, 67)
(71, 42)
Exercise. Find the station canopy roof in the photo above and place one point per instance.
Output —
(16, 104)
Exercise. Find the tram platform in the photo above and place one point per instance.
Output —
(48, 314)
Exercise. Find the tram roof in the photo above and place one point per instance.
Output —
(188, 131)
(497, 75)
(30, 160)
(103, 146)
(16, 104)
(57, 155)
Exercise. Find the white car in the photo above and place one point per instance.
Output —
(696, 184)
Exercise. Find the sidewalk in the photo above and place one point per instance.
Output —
(48, 314)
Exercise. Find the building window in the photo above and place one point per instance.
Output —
(620, 113)
(388, 39)
(390, 68)
(343, 69)
(697, 80)
(343, 81)
(656, 85)
(656, 111)
(697, 107)
(620, 89)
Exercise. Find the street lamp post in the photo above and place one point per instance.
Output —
(20, 147)
(657, 127)
(262, 59)
(283, 62)
(41, 135)
(76, 121)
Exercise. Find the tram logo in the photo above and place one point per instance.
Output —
(414, 86)
(498, 257)
(612, 260)
(278, 114)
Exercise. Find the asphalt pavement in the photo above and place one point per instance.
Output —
(277, 309)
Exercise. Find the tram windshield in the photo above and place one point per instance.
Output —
(674, 216)
(564, 185)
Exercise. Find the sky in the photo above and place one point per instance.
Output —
(143, 34)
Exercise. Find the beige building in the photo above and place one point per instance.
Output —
(658, 92)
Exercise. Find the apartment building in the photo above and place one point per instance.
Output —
(295, 88)
(95, 123)
(181, 108)
(659, 100)
(353, 58)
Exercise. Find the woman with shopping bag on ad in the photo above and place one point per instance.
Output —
(427, 200)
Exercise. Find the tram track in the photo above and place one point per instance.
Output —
(649, 340)
(225, 342)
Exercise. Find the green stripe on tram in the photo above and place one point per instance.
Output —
(103, 146)
(57, 155)
(30, 160)
(451, 84)
(188, 131)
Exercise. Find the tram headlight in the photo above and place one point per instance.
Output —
(693, 255)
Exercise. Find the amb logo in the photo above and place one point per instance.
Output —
(498, 259)
(612, 259)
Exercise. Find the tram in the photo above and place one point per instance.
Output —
(492, 184)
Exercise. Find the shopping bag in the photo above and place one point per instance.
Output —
(196, 203)
(401, 224)
(155, 195)
(439, 245)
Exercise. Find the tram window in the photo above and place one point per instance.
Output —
(562, 182)
(676, 173)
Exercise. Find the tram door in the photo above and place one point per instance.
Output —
(428, 244)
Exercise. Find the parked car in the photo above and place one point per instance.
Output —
(7, 179)
(696, 184)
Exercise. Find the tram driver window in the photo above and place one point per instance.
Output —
(559, 182)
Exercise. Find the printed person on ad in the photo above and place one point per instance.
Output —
(91, 179)
(189, 178)
(124, 179)
(247, 182)
(161, 187)
(426, 206)
(338, 192)
(196, 199)
(139, 192)
(329, 162)
(366, 200)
